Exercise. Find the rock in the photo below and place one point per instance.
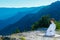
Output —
(33, 35)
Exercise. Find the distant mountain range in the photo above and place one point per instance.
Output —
(28, 20)
(19, 13)
(6, 13)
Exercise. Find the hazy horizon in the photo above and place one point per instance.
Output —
(24, 3)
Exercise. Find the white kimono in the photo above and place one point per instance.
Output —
(51, 30)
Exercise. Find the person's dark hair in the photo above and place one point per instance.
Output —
(52, 19)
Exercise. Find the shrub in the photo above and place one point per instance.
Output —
(57, 25)
(43, 22)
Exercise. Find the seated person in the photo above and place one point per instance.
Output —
(51, 29)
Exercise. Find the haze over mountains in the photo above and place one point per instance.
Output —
(29, 17)
(12, 15)
(5, 13)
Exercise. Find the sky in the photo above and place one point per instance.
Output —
(24, 3)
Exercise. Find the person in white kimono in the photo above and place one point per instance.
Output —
(51, 29)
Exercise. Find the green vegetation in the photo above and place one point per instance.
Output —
(44, 22)
(22, 38)
(16, 31)
(57, 25)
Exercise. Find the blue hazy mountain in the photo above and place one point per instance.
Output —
(12, 15)
(26, 22)
(5, 13)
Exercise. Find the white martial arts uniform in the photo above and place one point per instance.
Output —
(51, 30)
